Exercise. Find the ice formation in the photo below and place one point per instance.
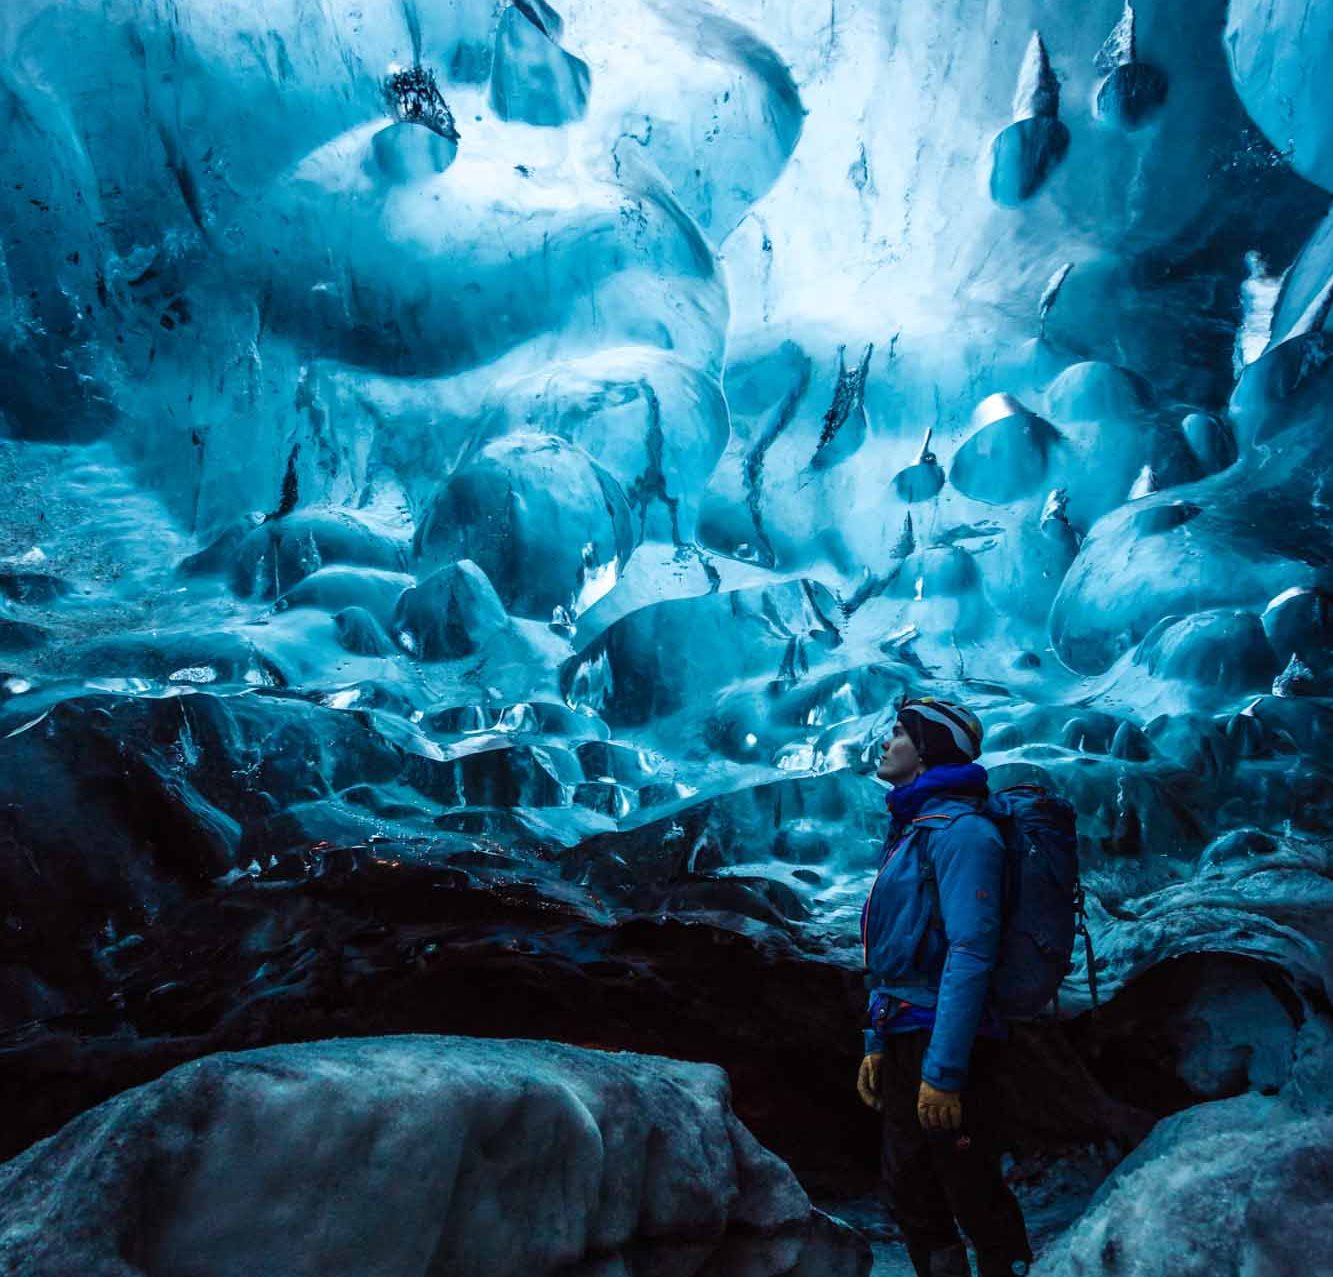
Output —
(1238, 1185)
(478, 1158)
(479, 476)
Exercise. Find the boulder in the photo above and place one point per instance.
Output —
(406, 1155)
(1237, 1186)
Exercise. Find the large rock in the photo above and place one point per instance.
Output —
(1239, 1186)
(1204, 1026)
(116, 804)
(405, 1156)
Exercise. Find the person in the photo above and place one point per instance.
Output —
(931, 931)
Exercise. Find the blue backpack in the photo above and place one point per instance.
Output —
(1043, 901)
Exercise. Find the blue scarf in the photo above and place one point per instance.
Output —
(905, 802)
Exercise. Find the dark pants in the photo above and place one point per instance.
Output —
(938, 1181)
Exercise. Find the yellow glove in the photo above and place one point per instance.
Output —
(867, 1082)
(938, 1110)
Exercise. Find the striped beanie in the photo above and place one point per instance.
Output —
(942, 731)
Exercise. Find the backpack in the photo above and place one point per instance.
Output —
(1043, 901)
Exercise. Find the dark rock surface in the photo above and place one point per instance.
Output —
(174, 890)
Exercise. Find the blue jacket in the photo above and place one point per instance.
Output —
(935, 945)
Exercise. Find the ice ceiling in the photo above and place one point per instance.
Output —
(537, 447)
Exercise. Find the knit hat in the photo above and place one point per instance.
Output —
(942, 731)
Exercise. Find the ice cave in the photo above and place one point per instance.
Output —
(481, 479)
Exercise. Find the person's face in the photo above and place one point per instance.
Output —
(899, 763)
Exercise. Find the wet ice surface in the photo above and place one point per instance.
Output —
(552, 489)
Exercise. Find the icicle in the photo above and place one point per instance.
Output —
(1055, 507)
(1118, 50)
(906, 539)
(1259, 292)
(1051, 293)
(1038, 91)
(1145, 485)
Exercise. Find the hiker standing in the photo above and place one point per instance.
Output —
(931, 930)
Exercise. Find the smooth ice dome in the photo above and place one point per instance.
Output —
(538, 516)
(1007, 457)
(450, 614)
(656, 425)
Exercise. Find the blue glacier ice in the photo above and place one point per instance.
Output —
(480, 474)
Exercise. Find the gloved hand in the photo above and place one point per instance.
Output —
(867, 1081)
(938, 1110)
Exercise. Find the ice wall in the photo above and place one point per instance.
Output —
(567, 452)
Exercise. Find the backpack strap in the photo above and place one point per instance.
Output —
(922, 826)
(938, 820)
(1081, 929)
(932, 818)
